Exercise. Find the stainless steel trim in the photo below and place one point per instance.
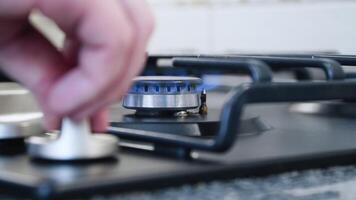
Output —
(21, 128)
(156, 101)
(20, 116)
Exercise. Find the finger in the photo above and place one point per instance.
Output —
(99, 121)
(13, 18)
(103, 53)
(143, 27)
(28, 57)
(71, 50)
(34, 62)
(143, 22)
(11, 8)
(113, 96)
(51, 122)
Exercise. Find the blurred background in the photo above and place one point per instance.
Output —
(246, 26)
(227, 26)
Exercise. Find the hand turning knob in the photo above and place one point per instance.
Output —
(74, 142)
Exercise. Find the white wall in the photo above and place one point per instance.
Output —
(254, 27)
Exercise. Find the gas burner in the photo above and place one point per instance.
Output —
(163, 95)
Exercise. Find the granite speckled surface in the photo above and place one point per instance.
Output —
(336, 183)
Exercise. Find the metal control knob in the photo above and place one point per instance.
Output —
(74, 142)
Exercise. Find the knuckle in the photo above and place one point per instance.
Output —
(128, 38)
(145, 25)
(150, 22)
(124, 39)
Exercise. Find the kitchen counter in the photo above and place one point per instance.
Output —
(336, 183)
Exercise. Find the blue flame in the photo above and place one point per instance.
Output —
(209, 82)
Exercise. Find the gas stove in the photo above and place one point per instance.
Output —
(192, 118)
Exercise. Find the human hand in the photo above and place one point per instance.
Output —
(104, 49)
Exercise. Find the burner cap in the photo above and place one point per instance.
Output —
(163, 93)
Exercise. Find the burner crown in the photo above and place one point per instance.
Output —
(163, 93)
(165, 85)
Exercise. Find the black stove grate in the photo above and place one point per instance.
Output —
(261, 90)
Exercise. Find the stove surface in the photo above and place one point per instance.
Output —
(274, 136)
(311, 141)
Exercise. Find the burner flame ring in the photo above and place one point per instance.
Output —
(163, 93)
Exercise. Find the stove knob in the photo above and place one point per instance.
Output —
(74, 142)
